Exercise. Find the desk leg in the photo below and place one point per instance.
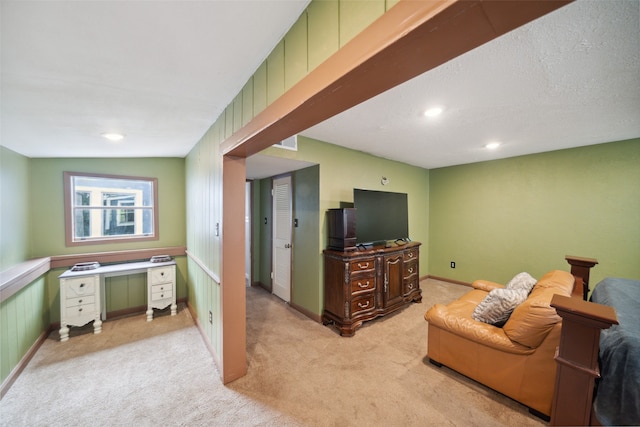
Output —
(174, 309)
(103, 301)
(97, 325)
(149, 314)
(64, 332)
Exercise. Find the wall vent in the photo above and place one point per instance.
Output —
(290, 143)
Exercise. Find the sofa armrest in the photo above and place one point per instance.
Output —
(439, 316)
(486, 285)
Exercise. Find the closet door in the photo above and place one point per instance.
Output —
(282, 219)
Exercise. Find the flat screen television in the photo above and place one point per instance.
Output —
(381, 216)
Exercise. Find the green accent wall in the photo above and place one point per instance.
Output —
(47, 201)
(14, 208)
(498, 218)
(204, 219)
(24, 316)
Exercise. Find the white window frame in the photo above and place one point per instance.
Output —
(115, 184)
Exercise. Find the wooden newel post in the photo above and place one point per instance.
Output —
(580, 268)
(577, 358)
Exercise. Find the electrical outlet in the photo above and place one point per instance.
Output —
(210, 317)
(453, 264)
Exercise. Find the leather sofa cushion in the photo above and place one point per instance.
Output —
(532, 320)
(455, 317)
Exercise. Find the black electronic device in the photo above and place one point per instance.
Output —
(381, 216)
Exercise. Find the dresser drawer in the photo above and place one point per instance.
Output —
(366, 264)
(72, 302)
(363, 304)
(80, 286)
(161, 275)
(411, 285)
(410, 268)
(411, 254)
(364, 283)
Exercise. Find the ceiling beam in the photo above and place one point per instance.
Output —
(410, 39)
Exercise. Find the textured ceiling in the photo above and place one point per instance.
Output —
(568, 79)
(162, 72)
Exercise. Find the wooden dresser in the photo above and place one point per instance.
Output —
(360, 285)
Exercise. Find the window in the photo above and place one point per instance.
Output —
(108, 208)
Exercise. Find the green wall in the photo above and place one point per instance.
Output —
(47, 201)
(204, 213)
(14, 208)
(25, 315)
(498, 218)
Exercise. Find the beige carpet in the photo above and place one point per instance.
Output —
(300, 374)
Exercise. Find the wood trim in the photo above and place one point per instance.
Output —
(309, 314)
(233, 292)
(261, 285)
(410, 39)
(203, 267)
(15, 373)
(17, 277)
(444, 279)
(115, 256)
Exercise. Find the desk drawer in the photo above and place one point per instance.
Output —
(161, 275)
(160, 292)
(81, 286)
(79, 312)
(72, 302)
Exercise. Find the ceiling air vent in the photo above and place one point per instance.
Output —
(290, 143)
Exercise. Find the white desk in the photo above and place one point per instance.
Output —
(82, 293)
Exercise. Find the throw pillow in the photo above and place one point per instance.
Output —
(522, 281)
(498, 305)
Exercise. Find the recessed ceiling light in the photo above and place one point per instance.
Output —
(492, 145)
(115, 137)
(433, 112)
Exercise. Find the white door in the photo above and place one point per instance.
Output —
(282, 214)
(247, 233)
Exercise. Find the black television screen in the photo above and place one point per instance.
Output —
(380, 216)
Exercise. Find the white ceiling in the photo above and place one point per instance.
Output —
(162, 71)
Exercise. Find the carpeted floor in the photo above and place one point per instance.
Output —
(300, 374)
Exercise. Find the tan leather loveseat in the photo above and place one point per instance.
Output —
(517, 359)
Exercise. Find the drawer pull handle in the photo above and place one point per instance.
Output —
(82, 285)
(411, 286)
(361, 305)
(79, 301)
(411, 270)
(161, 295)
(363, 266)
(410, 254)
(80, 309)
(162, 273)
(363, 286)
